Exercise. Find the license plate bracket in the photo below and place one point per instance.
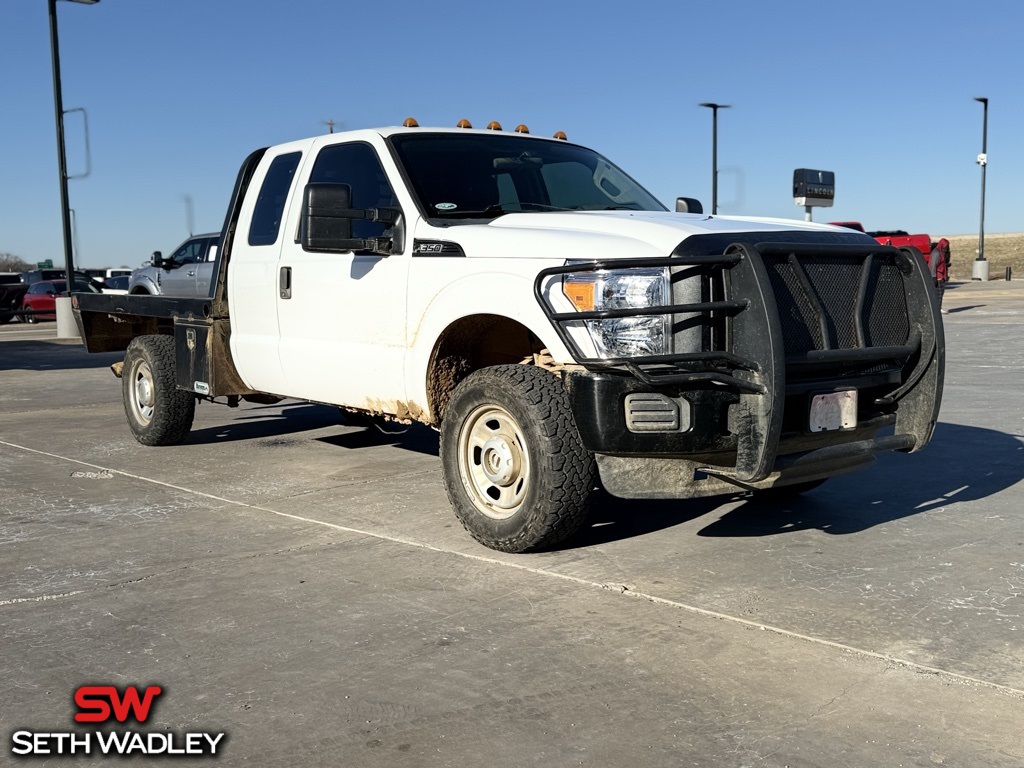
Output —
(834, 411)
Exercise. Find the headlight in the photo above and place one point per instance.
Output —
(622, 289)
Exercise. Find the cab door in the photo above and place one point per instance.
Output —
(204, 269)
(342, 314)
(252, 272)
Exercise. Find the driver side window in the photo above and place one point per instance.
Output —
(358, 166)
(190, 253)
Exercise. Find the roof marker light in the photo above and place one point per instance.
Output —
(494, 125)
(522, 129)
(560, 135)
(464, 123)
(410, 122)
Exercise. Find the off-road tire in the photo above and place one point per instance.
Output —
(158, 412)
(515, 423)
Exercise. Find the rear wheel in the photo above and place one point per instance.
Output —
(158, 412)
(29, 316)
(514, 467)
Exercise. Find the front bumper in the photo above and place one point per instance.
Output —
(700, 458)
(773, 331)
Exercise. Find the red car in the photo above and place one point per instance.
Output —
(895, 237)
(40, 298)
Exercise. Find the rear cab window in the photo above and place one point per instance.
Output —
(266, 217)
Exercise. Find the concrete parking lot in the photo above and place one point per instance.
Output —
(304, 587)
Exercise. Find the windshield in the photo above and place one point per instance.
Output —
(482, 176)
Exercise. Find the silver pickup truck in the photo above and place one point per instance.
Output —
(187, 272)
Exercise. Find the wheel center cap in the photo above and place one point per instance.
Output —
(145, 392)
(499, 462)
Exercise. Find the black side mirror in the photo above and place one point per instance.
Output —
(688, 205)
(158, 259)
(327, 216)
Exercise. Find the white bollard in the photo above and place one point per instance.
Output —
(67, 328)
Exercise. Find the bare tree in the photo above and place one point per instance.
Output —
(11, 263)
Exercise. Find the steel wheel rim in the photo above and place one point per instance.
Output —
(143, 393)
(494, 463)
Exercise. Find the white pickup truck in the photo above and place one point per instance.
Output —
(554, 321)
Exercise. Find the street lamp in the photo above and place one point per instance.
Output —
(62, 166)
(714, 150)
(190, 215)
(980, 271)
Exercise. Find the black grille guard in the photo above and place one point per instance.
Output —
(754, 362)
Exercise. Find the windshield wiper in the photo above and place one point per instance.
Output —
(490, 212)
(545, 207)
(500, 209)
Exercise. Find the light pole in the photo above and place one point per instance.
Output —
(190, 215)
(980, 271)
(714, 150)
(62, 166)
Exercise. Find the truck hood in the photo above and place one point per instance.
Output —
(599, 234)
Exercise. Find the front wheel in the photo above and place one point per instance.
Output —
(514, 467)
(158, 412)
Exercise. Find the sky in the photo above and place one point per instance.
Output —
(178, 93)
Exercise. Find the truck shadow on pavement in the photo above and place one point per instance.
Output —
(52, 356)
(961, 464)
(267, 423)
(612, 519)
(416, 438)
